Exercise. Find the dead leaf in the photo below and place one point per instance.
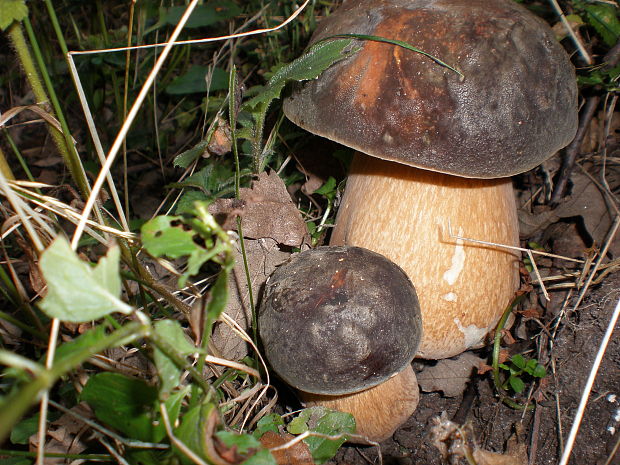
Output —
(268, 212)
(263, 257)
(221, 140)
(64, 435)
(586, 201)
(456, 442)
(449, 376)
(297, 454)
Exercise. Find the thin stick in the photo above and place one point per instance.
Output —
(201, 41)
(586, 392)
(128, 121)
(582, 51)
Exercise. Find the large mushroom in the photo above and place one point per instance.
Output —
(341, 325)
(436, 149)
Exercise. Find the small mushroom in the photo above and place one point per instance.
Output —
(341, 325)
(436, 149)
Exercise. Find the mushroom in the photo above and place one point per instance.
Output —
(341, 325)
(436, 149)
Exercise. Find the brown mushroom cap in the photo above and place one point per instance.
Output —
(337, 320)
(515, 106)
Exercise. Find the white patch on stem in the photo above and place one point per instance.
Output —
(473, 335)
(458, 261)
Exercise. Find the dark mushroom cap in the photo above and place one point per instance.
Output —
(337, 320)
(515, 106)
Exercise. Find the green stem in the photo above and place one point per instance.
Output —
(61, 139)
(181, 362)
(232, 116)
(496, 351)
(20, 159)
(151, 282)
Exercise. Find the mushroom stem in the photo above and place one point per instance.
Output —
(378, 411)
(404, 214)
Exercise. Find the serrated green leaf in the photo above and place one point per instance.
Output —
(12, 10)
(184, 159)
(122, 402)
(160, 237)
(75, 291)
(310, 65)
(604, 19)
(172, 333)
(186, 202)
(516, 384)
(194, 81)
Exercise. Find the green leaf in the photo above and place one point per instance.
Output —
(172, 333)
(518, 361)
(12, 10)
(269, 422)
(243, 443)
(399, 43)
(310, 65)
(539, 372)
(173, 406)
(219, 298)
(603, 18)
(24, 429)
(261, 457)
(82, 343)
(325, 421)
(184, 159)
(516, 384)
(193, 429)
(195, 80)
(122, 402)
(75, 291)
(328, 189)
(186, 202)
(161, 237)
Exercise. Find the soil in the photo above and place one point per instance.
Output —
(573, 351)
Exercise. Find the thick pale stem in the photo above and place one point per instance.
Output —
(378, 411)
(404, 213)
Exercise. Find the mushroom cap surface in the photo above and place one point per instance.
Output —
(515, 106)
(337, 320)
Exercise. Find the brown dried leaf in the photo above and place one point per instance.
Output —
(269, 212)
(64, 435)
(221, 140)
(449, 375)
(297, 454)
(586, 200)
(263, 257)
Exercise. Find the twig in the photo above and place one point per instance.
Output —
(586, 391)
(570, 155)
(582, 50)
